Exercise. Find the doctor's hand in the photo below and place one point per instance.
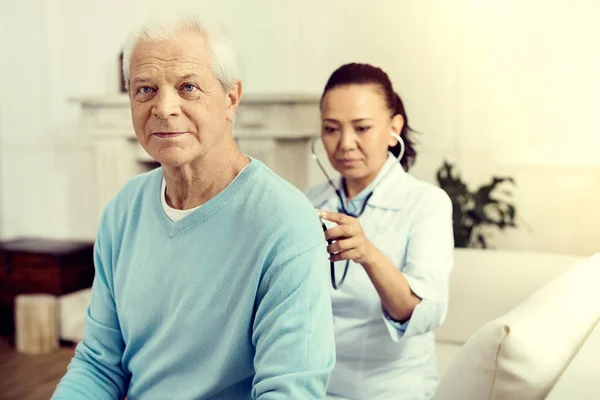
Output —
(350, 242)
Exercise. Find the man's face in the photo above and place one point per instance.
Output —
(179, 109)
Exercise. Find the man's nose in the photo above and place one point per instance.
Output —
(167, 104)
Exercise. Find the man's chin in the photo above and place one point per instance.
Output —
(173, 159)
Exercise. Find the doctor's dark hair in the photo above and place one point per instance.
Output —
(365, 74)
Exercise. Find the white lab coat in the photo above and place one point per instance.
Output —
(410, 221)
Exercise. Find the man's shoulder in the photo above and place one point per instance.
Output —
(277, 192)
(319, 194)
(280, 202)
(131, 193)
(281, 218)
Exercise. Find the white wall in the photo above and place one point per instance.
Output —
(2, 51)
(500, 87)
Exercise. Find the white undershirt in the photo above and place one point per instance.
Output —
(173, 213)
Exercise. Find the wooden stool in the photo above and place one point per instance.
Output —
(35, 323)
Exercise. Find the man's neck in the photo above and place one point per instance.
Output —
(196, 183)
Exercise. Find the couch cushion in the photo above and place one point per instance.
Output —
(519, 356)
(486, 284)
(445, 354)
(581, 379)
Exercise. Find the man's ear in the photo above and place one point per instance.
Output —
(233, 99)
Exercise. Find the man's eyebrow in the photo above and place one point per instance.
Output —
(190, 75)
(138, 80)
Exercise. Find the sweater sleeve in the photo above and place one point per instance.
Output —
(95, 372)
(293, 329)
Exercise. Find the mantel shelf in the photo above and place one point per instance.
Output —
(122, 99)
(274, 128)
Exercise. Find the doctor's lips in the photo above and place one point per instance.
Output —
(167, 135)
(347, 161)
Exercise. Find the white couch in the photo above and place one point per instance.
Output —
(488, 284)
(71, 315)
(484, 286)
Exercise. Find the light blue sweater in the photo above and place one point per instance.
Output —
(231, 302)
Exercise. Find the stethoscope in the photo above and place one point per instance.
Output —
(342, 208)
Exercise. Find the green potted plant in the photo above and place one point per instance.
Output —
(474, 212)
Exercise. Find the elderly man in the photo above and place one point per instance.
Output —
(211, 271)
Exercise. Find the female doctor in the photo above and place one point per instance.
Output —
(391, 243)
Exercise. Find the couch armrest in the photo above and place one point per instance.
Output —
(580, 379)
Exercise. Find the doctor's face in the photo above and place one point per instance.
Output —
(355, 128)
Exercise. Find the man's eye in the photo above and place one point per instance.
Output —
(145, 90)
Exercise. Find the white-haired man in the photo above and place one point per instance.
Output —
(211, 271)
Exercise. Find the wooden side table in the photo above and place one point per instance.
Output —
(46, 266)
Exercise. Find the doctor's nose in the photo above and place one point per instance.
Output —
(347, 141)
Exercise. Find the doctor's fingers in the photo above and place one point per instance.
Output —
(343, 231)
(343, 245)
(338, 218)
(352, 254)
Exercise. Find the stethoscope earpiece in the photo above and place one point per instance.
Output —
(401, 143)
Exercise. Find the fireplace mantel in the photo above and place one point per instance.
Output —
(274, 128)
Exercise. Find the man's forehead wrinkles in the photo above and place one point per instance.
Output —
(177, 57)
(179, 61)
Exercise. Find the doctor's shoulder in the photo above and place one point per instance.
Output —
(423, 196)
